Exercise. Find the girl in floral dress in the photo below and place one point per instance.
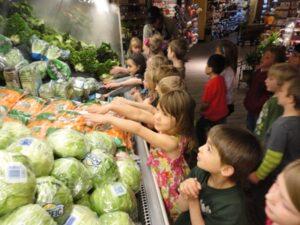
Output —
(173, 121)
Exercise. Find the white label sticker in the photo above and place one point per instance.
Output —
(118, 189)
(72, 220)
(16, 173)
(93, 160)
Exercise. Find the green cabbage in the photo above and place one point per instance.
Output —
(68, 143)
(17, 181)
(102, 166)
(39, 153)
(85, 201)
(113, 197)
(115, 218)
(130, 173)
(12, 131)
(55, 198)
(100, 140)
(28, 215)
(82, 215)
(74, 175)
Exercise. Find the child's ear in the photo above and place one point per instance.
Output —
(227, 170)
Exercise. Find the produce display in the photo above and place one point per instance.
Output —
(116, 218)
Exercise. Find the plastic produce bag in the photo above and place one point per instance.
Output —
(14, 58)
(54, 196)
(82, 215)
(58, 70)
(85, 201)
(17, 182)
(47, 90)
(91, 85)
(28, 215)
(78, 87)
(69, 143)
(5, 44)
(70, 119)
(63, 89)
(11, 77)
(38, 48)
(39, 153)
(115, 218)
(102, 166)
(112, 197)
(74, 175)
(102, 141)
(53, 52)
(9, 97)
(2, 62)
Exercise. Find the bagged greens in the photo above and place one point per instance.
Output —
(102, 141)
(17, 181)
(85, 201)
(102, 166)
(74, 175)
(82, 215)
(39, 153)
(55, 198)
(115, 218)
(130, 173)
(28, 215)
(53, 52)
(5, 44)
(14, 58)
(63, 89)
(47, 90)
(113, 197)
(58, 70)
(69, 143)
(38, 48)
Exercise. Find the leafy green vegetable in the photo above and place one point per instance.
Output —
(130, 173)
(17, 181)
(58, 70)
(115, 218)
(5, 44)
(85, 201)
(15, 58)
(74, 175)
(55, 198)
(102, 141)
(82, 215)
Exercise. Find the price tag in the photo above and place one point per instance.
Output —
(118, 189)
(93, 160)
(16, 173)
(72, 220)
(26, 142)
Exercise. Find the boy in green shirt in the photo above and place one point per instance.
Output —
(212, 194)
(277, 74)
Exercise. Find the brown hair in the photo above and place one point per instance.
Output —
(237, 147)
(283, 71)
(290, 174)
(171, 83)
(157, 61)
(230, 51)
(155, 44)
(180, 105)
(135, 41)
(278, 52)
(179, 47)
(294, 90)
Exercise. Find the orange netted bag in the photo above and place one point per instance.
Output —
(9, 97)
(124, 136)
(57, 105)
(40, 127)
(70, 119)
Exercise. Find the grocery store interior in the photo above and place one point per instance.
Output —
(149, 112)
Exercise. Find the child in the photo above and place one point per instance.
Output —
(277, 74)
(282, 142)
(295, 56)
(170, 83)
(176, 54)
(283, 198)
(135, 47)
(174, 123)
(212, 194)
(213, 106)
(257, 94)
(230, 52)
(154, 46)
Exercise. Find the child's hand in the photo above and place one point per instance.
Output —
(94, 118)
(99, 109)
(253, 178)
(116, 70)
(137, 97)
(112, 85)
(118, 100)
(190, 188)
(133, 91)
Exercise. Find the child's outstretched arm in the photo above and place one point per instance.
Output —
(129, 82)
(166, 142)
(139, 105)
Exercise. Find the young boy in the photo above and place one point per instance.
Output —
(277, 74)
(214, 105)
(212, 194)
(257, 94)
(282, 142)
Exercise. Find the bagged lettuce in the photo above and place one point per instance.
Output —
(102, 166)
(28, 215)
(63, 89)
(38, 48)
(58, 70)
(54, 196)
(5, 44)
(52, 52)
(113, 197)
(130, 173)
(74, 175)
(14, 58)
(115, 218)
(102, 141)
(85, 201)
(39, 153)
(82, 215)
(17, 181)
(47, 90)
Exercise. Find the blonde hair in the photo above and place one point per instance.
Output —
(155, 44)
(135, 41)
(163, 71)
(171, 83)
(157, 61)
(283, 72)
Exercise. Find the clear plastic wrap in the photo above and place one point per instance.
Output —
(58, 105)
(2, 62)
(115, 218)
(63, 89)
(38, 48)
(58, 70)
(82, 215)
(47, 90)
(68, 143)
(85, 201)
(54, 196)
(17, 182)
(9, 97)
(52, 52)
(112, 197)
(28, 215)
(39, 153)
(14, 58)
(74, 175)
(102, 141)
(102, 166)
(78, 87)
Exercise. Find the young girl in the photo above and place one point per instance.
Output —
(176, 54)
(283, 198)
(154, 46)
(135, 47)
(170, 83)
(174, 123)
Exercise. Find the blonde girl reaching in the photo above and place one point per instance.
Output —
(173, 121)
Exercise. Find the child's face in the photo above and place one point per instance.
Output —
(295, 59)
(267, 60)
(136, 49)
(272, 84)
(279, 207)
(208, 70)
(208, 158)
(132, 67)
(164, 122)
(282, 95)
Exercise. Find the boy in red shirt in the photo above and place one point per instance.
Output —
(213, 105)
